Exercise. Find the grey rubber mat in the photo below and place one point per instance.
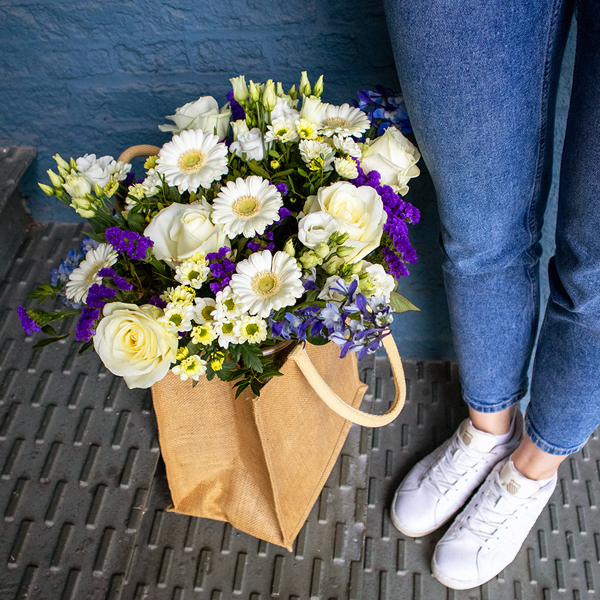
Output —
(559, 559)
(77, 453)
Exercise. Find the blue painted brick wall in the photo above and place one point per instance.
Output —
(99, 75)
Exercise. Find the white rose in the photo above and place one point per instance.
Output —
(132, 344)
(313, 109)
(181, 230)
(202, 114)
(393, 157)
(357, 211)
(284, 110)
(251, 143)
(239, 128)
(383, 283)
(315, 228)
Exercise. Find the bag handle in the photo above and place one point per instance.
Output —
(142, 150)
(342, 408)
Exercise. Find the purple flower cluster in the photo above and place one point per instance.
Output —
(86, 326)
(237, 110)
(399, 214)
(282, 189)
(28, 324)
(355, 324)
(221, 268)
(130, 243)
(265, 241)
(157, 301)
(120, 282)
(98, 294)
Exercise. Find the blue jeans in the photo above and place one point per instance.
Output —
(480, 79)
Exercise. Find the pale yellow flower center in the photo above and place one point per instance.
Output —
(207, 312)
(191, 161)
(335, 122)
(265, 284)
(251, 329)
(246, 206)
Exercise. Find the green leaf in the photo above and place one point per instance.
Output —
(136, 221)
(303, 173)
(241, 388)
(320, 340)
(251, 357)
(255, 167)
(48, 341)
(255, 387)
(85, 347)
(400, 304)
(49, 330)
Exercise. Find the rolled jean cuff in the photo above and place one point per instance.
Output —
(489, 407)
(538, 441)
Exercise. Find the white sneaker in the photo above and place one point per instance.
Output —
(489, 532)
(443, 481)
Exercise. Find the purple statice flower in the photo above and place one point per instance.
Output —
(157, 301)
(221, 268)
(284, 213)
(106, 272)
(86, 326)
(130, 243)
(129, 180)
(122, 283)
(282, 189)
(237, 110)
(28, 324)
(98, 294)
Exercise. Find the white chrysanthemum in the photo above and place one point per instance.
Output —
(226, 331)
(227, 305)
(251, 329)
(265, 282)
(346, 168)
(193, 271)
(306, 129)
(246, 206)
(192, 159)
(203, 334)
(283, 130)
(182, 294)
(317, 155)
(86, 274)
(204, 310)
(190, 368)
(152, 184)
(177, 317)
(346, 145)
(343, 120)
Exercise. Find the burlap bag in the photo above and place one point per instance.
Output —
(260, 463)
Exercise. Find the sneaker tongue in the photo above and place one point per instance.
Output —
(478, 440)
(515, 483)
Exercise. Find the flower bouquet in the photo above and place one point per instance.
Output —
(291, 232)
(292, 229)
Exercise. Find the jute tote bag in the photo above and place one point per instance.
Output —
(260, 463)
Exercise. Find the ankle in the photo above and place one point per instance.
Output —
(498, 423)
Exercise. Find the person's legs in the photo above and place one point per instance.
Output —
(479, 80)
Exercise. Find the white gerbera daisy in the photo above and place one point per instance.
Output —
(344, 120)
(193, 271)
(177, 317)
(264, 282)
(204, 310)
(190, 368)
(346, 145)
(283, 130)
(246, 206)
(192, 159)
(86, 274)
(227, 306)
(226, 331)
(251, 329)
(317, 155)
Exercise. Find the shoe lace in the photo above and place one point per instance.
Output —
(450, 467)
(493, 516)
